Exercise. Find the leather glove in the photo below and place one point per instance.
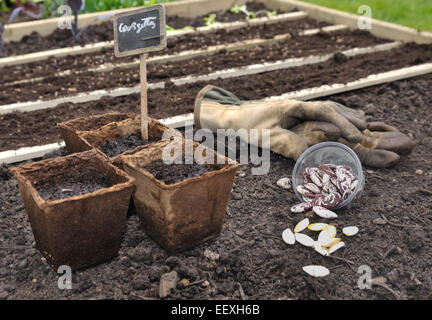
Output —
(381, 145)
(216, 108)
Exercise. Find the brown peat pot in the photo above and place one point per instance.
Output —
(119, 130)
(71, 129)
(182, 215)
(77, 207)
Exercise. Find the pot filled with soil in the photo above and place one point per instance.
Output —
(184, 203)
(124, 136)
(70, 129)
(77, 207)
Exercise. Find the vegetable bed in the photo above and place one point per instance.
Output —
(251, 251)
(248, 260)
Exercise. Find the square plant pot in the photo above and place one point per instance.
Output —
(77, 207)
(105, 138)
(70, 129)
(184, 214)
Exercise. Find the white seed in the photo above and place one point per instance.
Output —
(325, 179)
(284, 183)
(317, 226)
(316, 271)
(331, 230)
(320, 249)
(326, 234)
(301, 207)
(330, 242)
(304, 239)
(302, 190)
(324, 213)
(315, 179)
(312, 187)
(301, 225)
(350, 231)
(288, 236)
(337, 246)
(354, 185)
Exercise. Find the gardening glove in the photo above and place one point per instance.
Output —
(216, 108)
(381, 145)
(379, 135)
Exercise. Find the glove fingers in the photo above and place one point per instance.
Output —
(391, 141)
(376, 158)
(381, 126)
(325, 111)
(314, 132)
(356, 117)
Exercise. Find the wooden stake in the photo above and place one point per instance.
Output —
(144, 108)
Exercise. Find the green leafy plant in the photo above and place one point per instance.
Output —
(251, 15)
(237, 9)
(210, 20)
(271, 13)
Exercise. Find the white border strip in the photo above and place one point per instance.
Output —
(372, 80)
(306, 94)
(184, 55)
(99, 46)
(223, 74)
(28, 153)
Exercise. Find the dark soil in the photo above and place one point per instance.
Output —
(72, 186)
(227, 16)
(54, 87)
(113, 148)
(187, 42)
(98, 33)
(176, 172)
(251, 251)
(18, 129)
(4, 17)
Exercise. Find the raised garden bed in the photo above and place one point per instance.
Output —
(174, 100)
(249, 253)
(257, 214)
(91, 80)
(104, 32)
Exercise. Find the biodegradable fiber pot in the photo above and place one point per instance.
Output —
(81, 230)
(121, 129)
(71, 129)
(182, 215)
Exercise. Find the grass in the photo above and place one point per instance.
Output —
(411, 13)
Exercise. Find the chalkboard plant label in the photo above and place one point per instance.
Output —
(140, 31)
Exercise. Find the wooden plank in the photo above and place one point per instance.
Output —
(80, 98)
(23, 154)
(185, 8)
(279, 65)
(379, 28)
(97, 47)
(223, 74)
(372, 80)
(27, 153)
(189, 54)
